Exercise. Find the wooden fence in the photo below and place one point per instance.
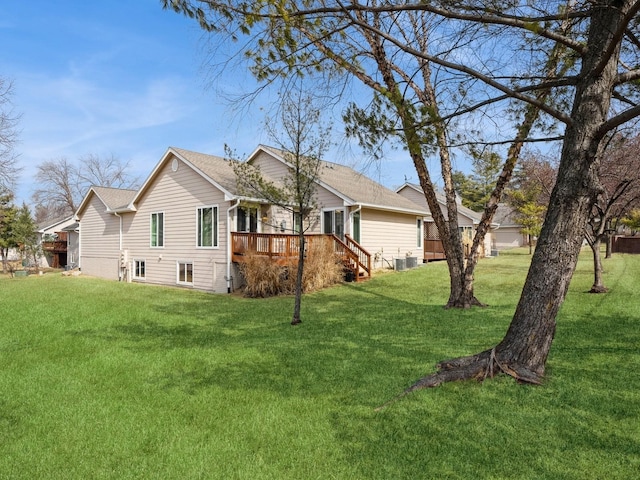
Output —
(626, 244)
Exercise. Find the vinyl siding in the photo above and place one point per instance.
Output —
(269, 166)
(99, 241)
(463, 220)
(508, 237)
(390, 234)
(178, 195)
(415, 196)
(418, 197)
(325, 199)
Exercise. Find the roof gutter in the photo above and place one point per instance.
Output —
(423, 213)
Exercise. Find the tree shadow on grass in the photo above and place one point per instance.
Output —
(355, 355)
(362, 346)
(584, 419)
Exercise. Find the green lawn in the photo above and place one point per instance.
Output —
(110, 380)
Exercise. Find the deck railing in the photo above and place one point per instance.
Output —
(362, 259)
(55, 246)
(280, 247)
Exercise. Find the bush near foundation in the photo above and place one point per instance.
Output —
(266, 278)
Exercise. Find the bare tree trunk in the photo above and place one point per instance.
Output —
(609, 246)
(554, 67)
(300, 270)
(523, 351)
(461, 292)
(598, 286)
(5, 260)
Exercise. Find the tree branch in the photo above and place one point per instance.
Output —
(618, 120)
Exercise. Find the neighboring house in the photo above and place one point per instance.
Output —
(508, 235)
(185, 224)
(468, 220)
(100, 216)
(59, 241)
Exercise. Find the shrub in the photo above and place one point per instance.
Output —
(266, 278)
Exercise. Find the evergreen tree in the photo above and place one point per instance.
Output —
(7, 218)
(25, 236)
(476, 189)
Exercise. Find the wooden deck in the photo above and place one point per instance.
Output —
(281, 247)
(57, 250)
(55, 246)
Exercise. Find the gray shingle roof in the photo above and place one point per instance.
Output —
(351, 185)
(356, 187)
(115, 198)
(51, 222)
(504, 215)
(216, 168)
(466, 211)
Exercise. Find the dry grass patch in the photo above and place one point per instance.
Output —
(266, 278)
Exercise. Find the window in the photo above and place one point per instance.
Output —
(297, 222)
(247, 219)
(355, 227)
(139, 269)
(185, 273)
(157, 229)
(207, 227)
(334, 222)
(419, 228)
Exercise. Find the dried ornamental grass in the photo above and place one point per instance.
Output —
(265, 278)
(322, 266)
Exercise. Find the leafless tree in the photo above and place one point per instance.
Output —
(62, 184)
(619, 194)
(302, 142)
(9, 168)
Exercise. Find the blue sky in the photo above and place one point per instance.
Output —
(125, 79)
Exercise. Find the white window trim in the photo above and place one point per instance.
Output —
(184, 262)
(133, 273)
(164, 216)
(344, 217)
(420, 232)
(248, 208)
(216, 239)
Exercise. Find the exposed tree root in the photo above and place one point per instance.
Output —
(475, 367)
(465, 303)
(598, 289)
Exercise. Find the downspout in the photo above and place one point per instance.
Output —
(79, 245)
(120, 267)
(228, 277)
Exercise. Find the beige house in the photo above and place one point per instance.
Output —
(468, 221)
(185, 224)
(509, 234)
(101, 218)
